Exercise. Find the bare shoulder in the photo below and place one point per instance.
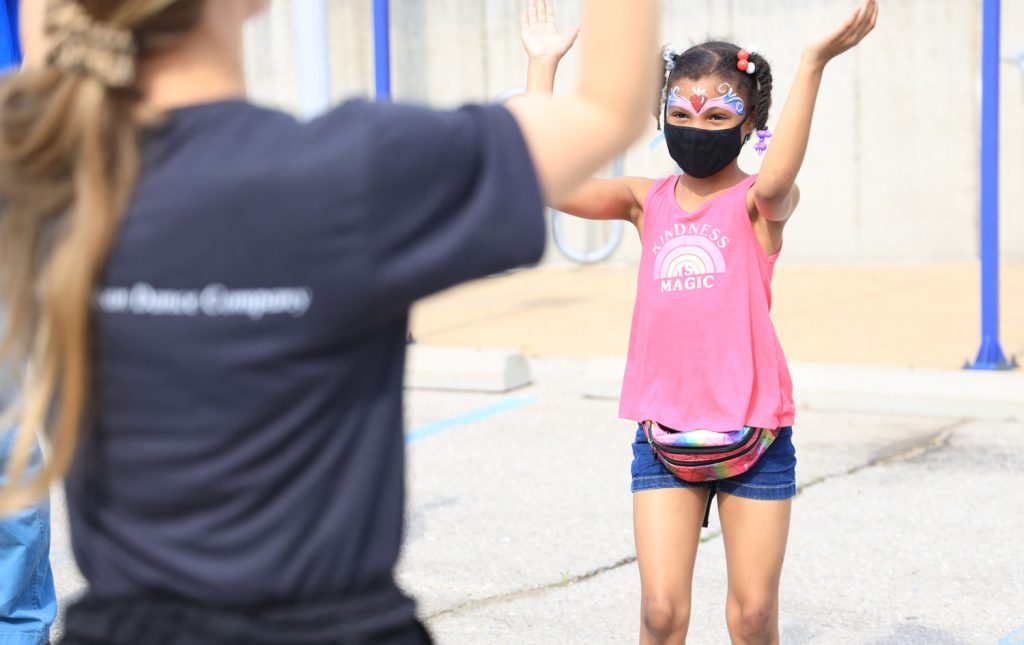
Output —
(769, 228)
(779, 212)
(638, 187)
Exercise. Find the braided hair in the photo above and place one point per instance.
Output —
(717, 58)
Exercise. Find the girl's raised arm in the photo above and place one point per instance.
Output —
(571, 137)
(775, 195)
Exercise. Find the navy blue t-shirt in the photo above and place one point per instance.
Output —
(245, 443)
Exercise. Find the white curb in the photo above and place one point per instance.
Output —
(466, 370)
(883, 390)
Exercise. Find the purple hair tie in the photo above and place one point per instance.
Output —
(762, 141)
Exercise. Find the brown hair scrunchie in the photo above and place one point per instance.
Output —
(83, 45)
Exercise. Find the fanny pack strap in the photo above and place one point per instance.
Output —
(711, 498)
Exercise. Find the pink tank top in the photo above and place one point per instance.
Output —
(703, 353)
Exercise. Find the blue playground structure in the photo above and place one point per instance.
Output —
(382, 49)
(990, 354)
(314, 54)
(10, 49)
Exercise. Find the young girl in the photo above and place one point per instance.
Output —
(211, 299)
(703, 354)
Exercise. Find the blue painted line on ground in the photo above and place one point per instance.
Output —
(468, 418)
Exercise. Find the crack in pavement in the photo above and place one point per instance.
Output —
(933, 443)
(529, 591)
(937, 441)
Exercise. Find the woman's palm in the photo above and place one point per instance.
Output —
(541, 37)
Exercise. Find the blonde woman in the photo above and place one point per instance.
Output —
(213, 298)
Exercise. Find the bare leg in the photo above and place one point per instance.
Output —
(755, 534)
(666, 525)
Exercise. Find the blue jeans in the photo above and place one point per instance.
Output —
(28, 601)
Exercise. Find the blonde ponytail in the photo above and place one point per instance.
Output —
(68, 167)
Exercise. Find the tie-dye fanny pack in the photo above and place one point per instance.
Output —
(703, 455)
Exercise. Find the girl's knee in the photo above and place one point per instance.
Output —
(752, 617)
(664, 615)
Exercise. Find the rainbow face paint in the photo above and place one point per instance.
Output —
(699, 102)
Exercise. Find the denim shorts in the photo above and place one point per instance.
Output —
(773, 477)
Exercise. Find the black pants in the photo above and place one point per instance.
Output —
(387, 617)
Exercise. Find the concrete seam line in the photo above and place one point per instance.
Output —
(937, 441)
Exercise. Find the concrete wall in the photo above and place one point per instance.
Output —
(892, 171)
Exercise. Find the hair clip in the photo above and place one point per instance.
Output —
(762, 142)
(80, 44)
(670, 53)
(743, 62)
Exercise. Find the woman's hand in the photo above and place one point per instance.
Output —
(848, 36)
(540, 34)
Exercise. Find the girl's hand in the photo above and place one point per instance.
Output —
(856, 27)
(540, 32)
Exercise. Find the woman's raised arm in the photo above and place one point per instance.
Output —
(570, 137)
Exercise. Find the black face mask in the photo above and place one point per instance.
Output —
(702, 153)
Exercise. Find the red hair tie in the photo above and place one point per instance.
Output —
(743, 63)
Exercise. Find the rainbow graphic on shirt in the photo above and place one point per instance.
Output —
(688, 255)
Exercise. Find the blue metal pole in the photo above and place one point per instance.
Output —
(10, 49)
(990, 355)
(314, 56)
(382, 49)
